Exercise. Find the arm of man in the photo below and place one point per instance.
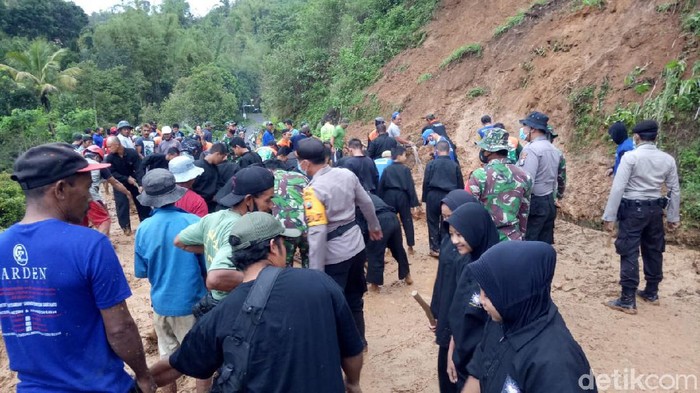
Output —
(472, 385)
(624, 171)
(529, 162)
(123, 336)
(412, 196)
(315, 212)
(117, 185)
(191, 239)
(223, 279)
(476, 183)
(674, 190)
(524, 210)
(375, 176)
(352, 366)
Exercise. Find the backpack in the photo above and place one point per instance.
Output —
(237, 347)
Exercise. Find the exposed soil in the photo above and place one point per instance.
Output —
(580, 47)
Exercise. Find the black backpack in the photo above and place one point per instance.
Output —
(237, 347)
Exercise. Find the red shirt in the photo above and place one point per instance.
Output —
(191, 202)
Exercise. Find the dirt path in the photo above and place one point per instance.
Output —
(401, 357)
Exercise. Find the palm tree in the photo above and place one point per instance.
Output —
(39, 68)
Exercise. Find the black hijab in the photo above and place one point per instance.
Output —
(517, 278)
(618, 132)
(457, 198)
(475, 224)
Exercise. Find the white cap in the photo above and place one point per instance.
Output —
(166, 130)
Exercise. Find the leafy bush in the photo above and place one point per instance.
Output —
(462, 52)
(691, 23)
(74, 121)
(11, 201)
(425, 77)
(476, 92)
(20, 131)
(593, 3)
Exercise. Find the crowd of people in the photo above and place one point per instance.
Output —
(223, 221)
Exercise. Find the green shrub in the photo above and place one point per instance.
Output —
(462, 52)
(476, 92)
(593, 3)
(425, 77)
(11, 201)
(691, 23)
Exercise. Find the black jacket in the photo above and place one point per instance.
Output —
(541, 357)
(381, 144)
(123, 167)
(397, 177)
(442, 174)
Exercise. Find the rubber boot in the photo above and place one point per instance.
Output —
(625, 303)
(650, 294)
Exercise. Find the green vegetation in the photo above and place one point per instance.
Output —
(11, 201)
(511, 22)
(518, 18)
(593, 3)
(462, 52)
(634, 80)
(425, 77)
(476, 92)
(587, 110)
(677, 109)
(691, 23)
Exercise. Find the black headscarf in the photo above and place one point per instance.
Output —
(517, 278)
(457, 198)
(475, 224)
(618, 132)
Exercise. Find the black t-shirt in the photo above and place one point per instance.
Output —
(249, 158)
(123, 166)
(206, 183)
(306, 329)
(381, 144)
(363, 167)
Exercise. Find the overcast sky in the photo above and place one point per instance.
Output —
(197, 7)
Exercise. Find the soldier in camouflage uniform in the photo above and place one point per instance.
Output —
(288, 207)
(503, 188)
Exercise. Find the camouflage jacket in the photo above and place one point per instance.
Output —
(504, 190)
(288, 201)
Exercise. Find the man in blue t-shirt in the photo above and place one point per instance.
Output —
(176, 276)
(485, 126)
(63, 293)
(307, 337)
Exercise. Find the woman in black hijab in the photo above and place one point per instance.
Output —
(445, 284)
(526, 346)
(473, 232)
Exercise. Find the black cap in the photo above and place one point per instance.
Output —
(237, 141)
(646, 127)
(536, 120)
(248, 181)
(46, 164)
(310, 149)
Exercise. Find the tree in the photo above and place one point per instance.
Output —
(39, 68)
(208, 95)
(56, 20)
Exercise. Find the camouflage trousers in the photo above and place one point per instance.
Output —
(301, 243)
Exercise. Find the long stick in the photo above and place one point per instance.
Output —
(424, 306)
(418, 161)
